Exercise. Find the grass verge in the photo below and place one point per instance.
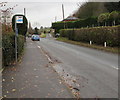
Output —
(43, 35)
(98, 47)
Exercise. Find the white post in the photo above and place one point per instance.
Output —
(90, 42)
(105, 44)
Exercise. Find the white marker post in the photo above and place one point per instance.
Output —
(18, 19)
(105, 44)
(90, 42)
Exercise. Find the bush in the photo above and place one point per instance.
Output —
(61, 25)
(98, 35)
(8, 48)
(88, 22)
(104, 19)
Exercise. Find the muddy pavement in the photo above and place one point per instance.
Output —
(33, 77)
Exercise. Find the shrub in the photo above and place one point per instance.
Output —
(104, 19)
(88, 22)
(8, 48)
(98, 35)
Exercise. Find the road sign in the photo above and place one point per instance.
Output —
(19, 19)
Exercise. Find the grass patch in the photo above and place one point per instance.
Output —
(43, 35)
(98, 47)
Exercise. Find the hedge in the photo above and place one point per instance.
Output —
(98, 35)
(8, 48)
(62, 25)
(87, 22)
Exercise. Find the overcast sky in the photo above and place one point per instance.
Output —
(44, 13)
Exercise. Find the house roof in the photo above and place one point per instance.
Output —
(70, 18)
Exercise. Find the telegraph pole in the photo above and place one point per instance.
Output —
(63, 11)
(63, 14)
(55, 18)
(24, 12)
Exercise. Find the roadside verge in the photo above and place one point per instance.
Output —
(107, 49)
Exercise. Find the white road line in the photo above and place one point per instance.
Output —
(48, 58)
(115, 67)
(39, 47)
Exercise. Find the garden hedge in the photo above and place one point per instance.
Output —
(98, 35)
(92, 21)
(8, 48)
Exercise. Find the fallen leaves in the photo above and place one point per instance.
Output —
(26, 81)
(13, 90)
(76, 89)
(13, 69)
(4, 96)
(48, 94)
(26, 74)
(12, 79)
(7, 92)
(77, 94)
(47, 65)
(35, 86)
(60, 82)
(3, 80)
(35, 69)
(36, 76)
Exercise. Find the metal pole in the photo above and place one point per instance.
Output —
(25, 15)
(16, 41)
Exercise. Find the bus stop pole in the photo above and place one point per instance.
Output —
(16, 58)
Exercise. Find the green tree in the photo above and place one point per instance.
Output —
(114, 15)
(36, 30)
(89, 9)
(112, 6)
(102, 18)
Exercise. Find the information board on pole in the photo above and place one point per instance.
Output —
(19, 19)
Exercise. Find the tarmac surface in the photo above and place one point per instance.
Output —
(94, 72)
(33, 77)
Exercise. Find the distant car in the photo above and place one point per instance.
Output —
(29, 35)
(35, 38)
(57, 35)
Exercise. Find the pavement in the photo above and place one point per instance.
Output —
(33, 77)
(93, 73)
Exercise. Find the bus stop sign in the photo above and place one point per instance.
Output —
(19, 19)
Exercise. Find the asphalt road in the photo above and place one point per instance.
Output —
(96, 72)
